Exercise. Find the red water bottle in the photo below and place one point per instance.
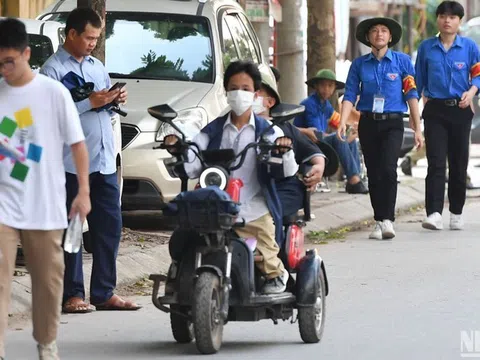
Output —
(233, 189)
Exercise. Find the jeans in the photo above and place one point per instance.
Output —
(105, 226)
(347, 154)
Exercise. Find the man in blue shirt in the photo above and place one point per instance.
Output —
(448, 77)
(83, 27)
(383, 82)
(319, 115)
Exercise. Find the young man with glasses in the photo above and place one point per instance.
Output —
(37, 119)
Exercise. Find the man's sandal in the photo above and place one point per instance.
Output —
(76, 305)
(116, 303)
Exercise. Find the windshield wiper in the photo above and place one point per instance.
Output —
(145, 77)
(130, 76)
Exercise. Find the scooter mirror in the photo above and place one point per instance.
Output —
(163, 113)
(284, 112)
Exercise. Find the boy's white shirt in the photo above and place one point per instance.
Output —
(46, 118)
(253, 203)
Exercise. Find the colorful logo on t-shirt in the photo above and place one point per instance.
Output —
(392, 76)
(460, 65)
(18, 127)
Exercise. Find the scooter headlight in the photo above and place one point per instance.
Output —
(213, 177)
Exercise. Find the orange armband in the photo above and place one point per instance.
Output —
(408, 84)
(475, 70)
(334, 120)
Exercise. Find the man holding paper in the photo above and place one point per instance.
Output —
(37, 118)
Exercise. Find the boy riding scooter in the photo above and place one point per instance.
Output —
(260, 205)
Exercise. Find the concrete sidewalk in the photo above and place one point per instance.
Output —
(138, 260)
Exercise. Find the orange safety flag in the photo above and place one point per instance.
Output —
(334, 120)
(409, 84)
(475, 70)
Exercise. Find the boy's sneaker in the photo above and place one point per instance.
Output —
(48, 352)
(456, 222)
(322, 187)
(376, 234)
(388, 232)
(433, 222)
(276, 285)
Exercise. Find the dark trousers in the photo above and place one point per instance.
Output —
(447, 134)
(291, 192)
(105, 225)
(381, 141)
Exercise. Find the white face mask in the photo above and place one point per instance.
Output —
(240, 101)
(258, 107)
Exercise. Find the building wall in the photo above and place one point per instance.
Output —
(23, 8)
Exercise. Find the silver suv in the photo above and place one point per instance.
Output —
(168, 52)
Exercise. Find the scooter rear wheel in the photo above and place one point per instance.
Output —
(207, 319)
(182, 328)
(311, 320)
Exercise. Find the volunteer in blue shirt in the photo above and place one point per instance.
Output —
(383, 81)
(448, 69)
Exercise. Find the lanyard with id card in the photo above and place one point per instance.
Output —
(378, 98)
(378, 103)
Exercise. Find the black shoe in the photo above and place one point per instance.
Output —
(358, 188)
(406, 166)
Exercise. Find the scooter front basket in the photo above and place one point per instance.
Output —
(206, 210)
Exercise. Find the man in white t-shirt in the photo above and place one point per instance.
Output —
(37, 118)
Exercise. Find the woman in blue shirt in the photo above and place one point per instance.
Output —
(383, 81)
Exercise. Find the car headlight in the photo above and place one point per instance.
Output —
(213, 176)
(190, 121)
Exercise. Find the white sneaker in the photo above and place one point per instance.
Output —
(456, 222)
(277, 285)
(376, 234)
(433, 222)
(388, 232)
(48, 352)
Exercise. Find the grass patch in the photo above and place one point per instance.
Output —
(322, 237)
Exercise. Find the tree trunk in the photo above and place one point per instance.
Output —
(321, 38)
(100, 7)
(290, 53)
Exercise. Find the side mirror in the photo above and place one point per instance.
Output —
(284, 112)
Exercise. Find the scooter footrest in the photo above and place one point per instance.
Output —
(157, 277)
(168, 299)
(272, 299)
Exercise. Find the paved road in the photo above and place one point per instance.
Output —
(404, 299)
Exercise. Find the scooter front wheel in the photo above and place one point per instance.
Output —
(311, 319)
(207, 319)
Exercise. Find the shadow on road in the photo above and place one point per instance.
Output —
(146, 220)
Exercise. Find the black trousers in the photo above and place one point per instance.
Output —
(447, 134)
(381, 141)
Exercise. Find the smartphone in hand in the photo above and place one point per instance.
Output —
(117, 85)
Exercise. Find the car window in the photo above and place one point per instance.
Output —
(245, 46)
(252, 35)
(41, 47)
(230, 54)
(157, 46)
